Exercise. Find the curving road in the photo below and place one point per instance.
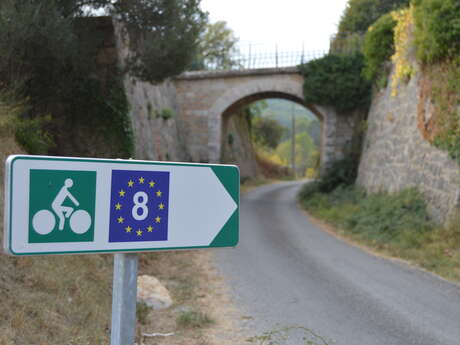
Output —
(286, 271)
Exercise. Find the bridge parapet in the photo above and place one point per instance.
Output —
(221, 74)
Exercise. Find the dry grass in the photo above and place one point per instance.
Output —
(197, 289)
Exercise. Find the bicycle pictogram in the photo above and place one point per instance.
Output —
(44, 221)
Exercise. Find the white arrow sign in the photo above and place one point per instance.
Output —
(57, 205)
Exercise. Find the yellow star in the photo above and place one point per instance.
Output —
(141, 180)
(130, 183)
(122, 193)
(149, 228)
(152, 184)
(157, 219)
(161, 206)
(120, 219)
(118, 206)
(139, 232)
(128, 228)
(159, 193)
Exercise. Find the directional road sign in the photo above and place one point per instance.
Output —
(58, 205)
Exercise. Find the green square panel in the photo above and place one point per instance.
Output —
(61, 206)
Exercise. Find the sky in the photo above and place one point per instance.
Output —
(288, 23)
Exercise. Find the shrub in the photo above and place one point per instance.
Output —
(32, 135)
(347, 43)
(166, 113)
(340, 174)
(384, 216)
(193, 319)
(437, 29)
(378, 46)
(400, 217)
(336, 80)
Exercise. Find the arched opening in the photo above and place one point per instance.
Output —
(272, 134)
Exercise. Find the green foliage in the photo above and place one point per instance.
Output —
(279, 336)
(359, 15)
(306, 153)
(341, 173)
(437, 29)
(142, 312)
(193, 319)
(379, 46)
(164, 35)
(216, 46)
(32, 135)
(350, 43)
(112, 123)
(44, 62)
(166, 113)
(336, 80)
(396, 223)
(36, 42)
(380, 217)
(266, 132)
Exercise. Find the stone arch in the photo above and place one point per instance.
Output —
(250, 91)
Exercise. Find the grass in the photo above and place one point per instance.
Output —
(279, 336)
(193, 319)
(394, 224)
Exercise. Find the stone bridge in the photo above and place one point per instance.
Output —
(205, 99)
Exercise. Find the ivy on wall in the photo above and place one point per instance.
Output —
(336, 80)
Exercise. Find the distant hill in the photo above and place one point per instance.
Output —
(281, 110)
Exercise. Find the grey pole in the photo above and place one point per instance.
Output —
(124, 299)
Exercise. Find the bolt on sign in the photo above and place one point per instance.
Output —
(57, 205)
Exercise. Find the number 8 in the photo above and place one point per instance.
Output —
(140, 205)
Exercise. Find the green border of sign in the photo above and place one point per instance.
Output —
(230, 179)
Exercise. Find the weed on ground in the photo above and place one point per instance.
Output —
(395, 224)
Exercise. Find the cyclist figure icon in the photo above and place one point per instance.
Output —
(64, 211)
(44, 221)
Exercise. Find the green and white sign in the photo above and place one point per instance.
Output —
(57, 205)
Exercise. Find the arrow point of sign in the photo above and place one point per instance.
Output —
(228, 236)
(229, 176)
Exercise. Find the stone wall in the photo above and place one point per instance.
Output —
(237, 145)
(155, 137)
(396, 156)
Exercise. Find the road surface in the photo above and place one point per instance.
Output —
(286, 272)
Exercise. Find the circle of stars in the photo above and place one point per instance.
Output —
(118, 206)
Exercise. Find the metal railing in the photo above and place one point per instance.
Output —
(255, 56)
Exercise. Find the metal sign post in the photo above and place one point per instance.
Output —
(124, 299)
(61, 205)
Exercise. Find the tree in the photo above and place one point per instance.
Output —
(164, 35)
(306, 155)
(360, 14)
(266, 132)
(216, 48)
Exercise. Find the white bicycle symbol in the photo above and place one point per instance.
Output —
(44, 221)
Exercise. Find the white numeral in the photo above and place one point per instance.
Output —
(140, 205)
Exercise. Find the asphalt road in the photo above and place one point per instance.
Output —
(286, 272)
